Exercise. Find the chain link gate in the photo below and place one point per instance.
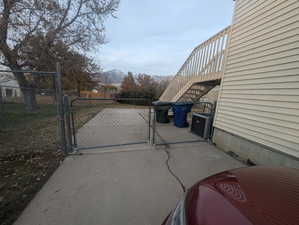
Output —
(114, 122)
(166, 134)
(102, 125)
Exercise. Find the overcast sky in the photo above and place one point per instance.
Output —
(156, 36)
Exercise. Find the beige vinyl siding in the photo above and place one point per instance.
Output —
(259, 94)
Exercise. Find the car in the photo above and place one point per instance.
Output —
(245, 196)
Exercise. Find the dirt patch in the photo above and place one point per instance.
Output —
(29, 154)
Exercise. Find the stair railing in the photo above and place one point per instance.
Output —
(205, 63)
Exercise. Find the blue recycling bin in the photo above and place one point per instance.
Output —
(180, 112)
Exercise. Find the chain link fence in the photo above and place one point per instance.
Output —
(24, 131)
(31, 144)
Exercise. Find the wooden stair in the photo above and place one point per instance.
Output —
(201, 72)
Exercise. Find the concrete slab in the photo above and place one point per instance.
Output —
(112, 188)
(170, 133)
(114, 126)
(196, 161)
(124, 185)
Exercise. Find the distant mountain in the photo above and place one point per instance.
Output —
(162, 78)
(116, 77)
(110, 77)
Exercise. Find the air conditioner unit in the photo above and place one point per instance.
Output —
(202, 124)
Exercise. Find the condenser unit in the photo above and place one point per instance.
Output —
(202, 124)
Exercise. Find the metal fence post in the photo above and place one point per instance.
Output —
(74, 127)
(154, 129)
(60, 109)
(149, 122)
(67, 111)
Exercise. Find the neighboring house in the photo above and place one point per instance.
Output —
(258, 108)
(9, 86)
(102, 91)
(117, 85)
(106, 90)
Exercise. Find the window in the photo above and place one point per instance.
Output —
(8, 93)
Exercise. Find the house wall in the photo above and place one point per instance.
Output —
(10, 85)
(15, 92)
(259, 94)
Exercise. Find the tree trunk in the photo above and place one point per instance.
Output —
(30, 98)
(26, 87)
(78, 89)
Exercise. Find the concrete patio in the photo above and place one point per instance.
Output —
(123, 185)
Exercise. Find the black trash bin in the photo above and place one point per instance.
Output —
(161, 110)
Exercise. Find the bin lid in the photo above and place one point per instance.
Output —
(182, 103)
(205, 115)
(160, 103)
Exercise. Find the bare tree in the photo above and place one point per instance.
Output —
(78, 23)
(128, 84)
(77, 67)
(78, 71)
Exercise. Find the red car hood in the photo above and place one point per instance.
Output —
(249, 196)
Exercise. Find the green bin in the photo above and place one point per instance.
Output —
(161, 110)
